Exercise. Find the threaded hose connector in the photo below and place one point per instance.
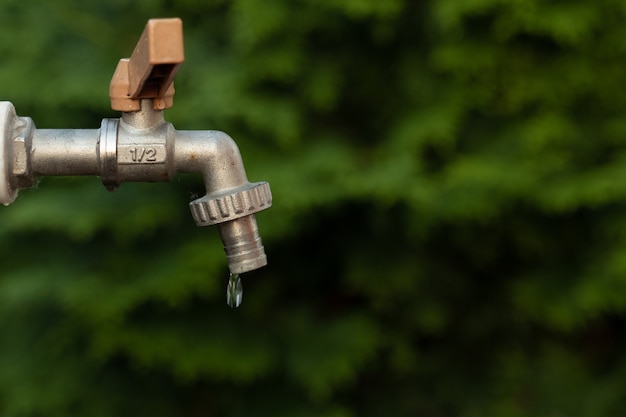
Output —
(222, 207)
(233, 212)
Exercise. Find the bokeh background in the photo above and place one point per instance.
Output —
(448, 235)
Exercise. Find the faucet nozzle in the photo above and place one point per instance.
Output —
(233, 212)
(242, 244)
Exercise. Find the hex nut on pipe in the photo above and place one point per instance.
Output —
(8, 193)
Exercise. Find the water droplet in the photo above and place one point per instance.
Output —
(234, 292)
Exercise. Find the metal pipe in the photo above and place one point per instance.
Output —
(64, 152)
(142, 146)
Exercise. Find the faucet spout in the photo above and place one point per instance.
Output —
(242, 244)
(231, 200)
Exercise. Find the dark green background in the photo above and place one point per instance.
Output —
(448, 235)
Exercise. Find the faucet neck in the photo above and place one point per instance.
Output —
(146, 118)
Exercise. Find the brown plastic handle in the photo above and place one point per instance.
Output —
(150, 71)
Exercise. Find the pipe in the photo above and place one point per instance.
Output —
(142, 146)
(212, 153)
(64, 152)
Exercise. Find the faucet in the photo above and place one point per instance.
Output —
(142, 146)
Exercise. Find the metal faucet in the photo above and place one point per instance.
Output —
(142, 146)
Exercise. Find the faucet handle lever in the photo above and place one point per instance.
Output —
(150, 71)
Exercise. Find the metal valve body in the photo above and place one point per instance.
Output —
(142, 146)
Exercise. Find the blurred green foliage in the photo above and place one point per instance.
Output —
(448, 236)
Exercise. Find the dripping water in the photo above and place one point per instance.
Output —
(234, 291)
